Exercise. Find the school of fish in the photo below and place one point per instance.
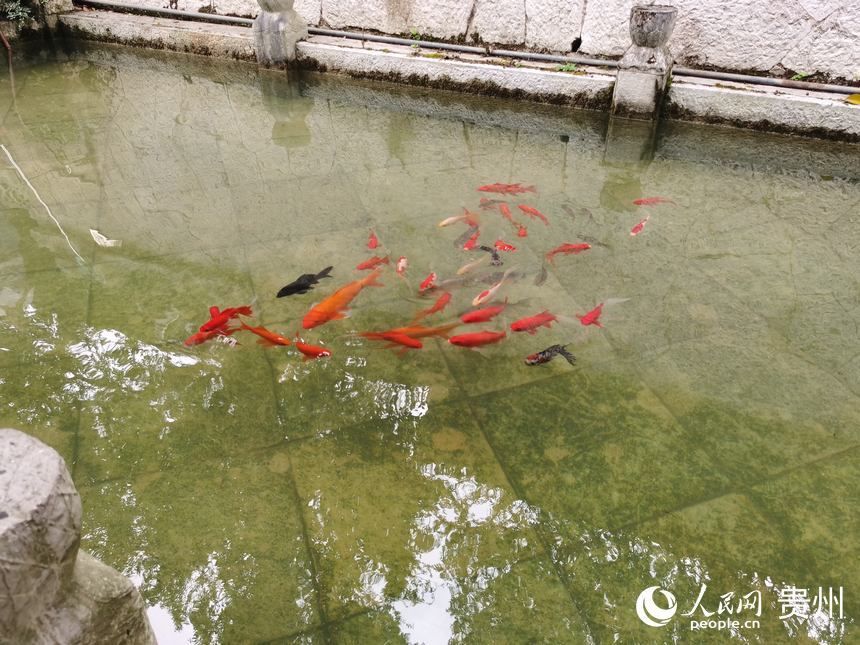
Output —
(486, 307)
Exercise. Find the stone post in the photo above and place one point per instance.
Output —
(645, 68)
(277, 29)
(50, 591)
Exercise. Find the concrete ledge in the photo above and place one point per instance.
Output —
(161, 33)
(765, 108)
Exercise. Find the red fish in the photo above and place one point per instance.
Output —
(439, 305)
(638, 228)
(429, 282)
(419, 331)
(478, 338)
(522, 231)
(372, 241)
(333, 307)
(221, 318)
(372, 263)
(501, 245)
(567, 249)
(591, 318)
(651, 201)
(483, 315)
(507, 189)
(202, 336)
(402, 264)
(531, 323)
(267, 337)
(533, 212)
(472, 241)
(311, 351)
(395, 337)
(506, 212)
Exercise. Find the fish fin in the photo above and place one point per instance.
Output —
(597, 323)
(214, 311)
(340, 315)
(371, 280)
(325, 273)
(570, 358)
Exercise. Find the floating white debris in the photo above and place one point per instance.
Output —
(101, 240)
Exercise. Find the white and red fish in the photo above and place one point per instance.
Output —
(488, 294)
(402, 265)
(428, 283)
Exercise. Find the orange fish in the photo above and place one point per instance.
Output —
(429, 282)
(506, 212)
(439, 305)
(507, 189)
(531, 323)
(478, 338)
(591, 318)
(333, 307)
(533, 212)
(372, 263)
(483, 315)
(419, 331)
(221, 318)
(567, 249)
(267, 337)
(522, 231)
(501, 245)
(651, 201)
(202, 336)
(311, 351)
(394, 337)
(638, 228)
(372, 241)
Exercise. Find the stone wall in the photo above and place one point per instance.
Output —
(804, 36)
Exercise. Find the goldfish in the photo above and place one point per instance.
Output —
(546, 355)
(304, 283)
(483, 315)
(591, 318)
(501, 245)
(372, 241)
(428, 283)
(472, 241)
(419, 331)
(522, 231)
(506, 212)
(402, 265)
(202, 336)
(566, 249)
(438, 306)
(311, 351)
(333, 307)
(651, 201)
(393, 337)
(221, 318)
(372, 263)
(487, 204)
(533, 213)
(531, 323)
(507, 189)
(482, 297)
(267, 337)
(471, 265)
(638, 228)
(477, 339)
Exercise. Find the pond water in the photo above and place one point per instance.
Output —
(706, 440)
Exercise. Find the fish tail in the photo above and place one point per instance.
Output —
(570, 358)
(245, 311)
(371, 280)
(325, 273)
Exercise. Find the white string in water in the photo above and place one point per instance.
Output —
(27, 181)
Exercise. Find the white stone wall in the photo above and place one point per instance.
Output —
(802, 35)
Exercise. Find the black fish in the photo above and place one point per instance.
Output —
(305, 283)
(496, 260)
(546, 355)
(540, 278)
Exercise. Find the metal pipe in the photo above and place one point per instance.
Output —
(766, 80)
(467, 49)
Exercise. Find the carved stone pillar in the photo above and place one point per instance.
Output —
(645, 68)
(277, 29)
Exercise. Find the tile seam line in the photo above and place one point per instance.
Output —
(315, 574)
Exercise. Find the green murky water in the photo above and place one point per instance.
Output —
(706, 440)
